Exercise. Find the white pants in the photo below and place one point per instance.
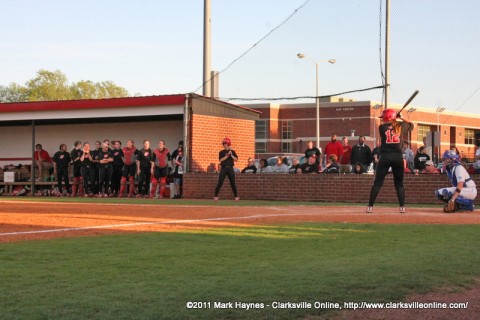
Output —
(466, 192)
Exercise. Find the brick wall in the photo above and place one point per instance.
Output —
(321, 187)
(207, 133)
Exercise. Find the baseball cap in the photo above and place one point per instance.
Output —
(429, 163)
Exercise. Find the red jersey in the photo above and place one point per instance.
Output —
(347, 152)
(161, 157)
(334, 148)
(44, 154)
(129, 156)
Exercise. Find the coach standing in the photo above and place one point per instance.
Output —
(227, 158)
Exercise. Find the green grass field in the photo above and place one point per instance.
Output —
(154, 275)
(200, 202)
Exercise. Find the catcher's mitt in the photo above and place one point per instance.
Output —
(449, 207)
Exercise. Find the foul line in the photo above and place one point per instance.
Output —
(112, 226)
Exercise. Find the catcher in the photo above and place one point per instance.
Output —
(459, 197)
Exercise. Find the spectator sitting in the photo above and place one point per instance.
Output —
(264, 167)
(250, 168)
(311, 165)
(332, 165)
(358, 168)
(295, 166)
(42, 160)
(280, 167)
(430, 167)
(420, 159)
(405, 167)
(311, 150)
(408, 156)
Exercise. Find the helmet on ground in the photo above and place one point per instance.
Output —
(388, 115)
(227, 141)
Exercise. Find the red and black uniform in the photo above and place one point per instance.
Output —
(390, 156)
(96, 170)
(88, 173)
(160, 160)
(105, 170)
(117, 170)
(144, 159)
(76, 154)
(62, 160)
(128, 171)
(227, 171)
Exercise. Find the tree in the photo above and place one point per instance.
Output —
(99, 90)
(54, 86)
(13, 93)
(49, 86)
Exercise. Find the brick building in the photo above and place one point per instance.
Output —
(199, 121)
(286, 128)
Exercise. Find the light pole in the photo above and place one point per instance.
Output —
(317, 98)
(438, 111)
(375, 108)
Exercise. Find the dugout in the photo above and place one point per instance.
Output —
(199, 121)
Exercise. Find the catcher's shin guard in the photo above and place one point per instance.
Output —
(131, 187)
(163, 182)
(447, 195)
(438, 195)
(80, 187)
(153, 190)
(74, 187)
(123, 187)
(464, 204)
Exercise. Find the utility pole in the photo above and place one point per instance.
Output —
(206, 49)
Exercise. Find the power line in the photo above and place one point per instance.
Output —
(302, 97)
(462, 104)
(256, 43)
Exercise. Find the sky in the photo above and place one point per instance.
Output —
(155, 47)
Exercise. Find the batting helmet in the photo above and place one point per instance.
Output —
(227, 141)
(388, 115)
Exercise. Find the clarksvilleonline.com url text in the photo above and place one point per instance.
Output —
(323, 305)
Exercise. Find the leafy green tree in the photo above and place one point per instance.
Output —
(54, 86)
(99, 90)
(49, 86)
(13, 93)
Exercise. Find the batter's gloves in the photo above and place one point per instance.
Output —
(449, 207)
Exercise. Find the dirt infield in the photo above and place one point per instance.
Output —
(20, 220)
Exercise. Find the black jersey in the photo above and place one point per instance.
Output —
(229, 161)
(117, 157)
(145, 156)
(87, 160)
(391, 136)
(105, 155)
(75, 155)
(62, 159)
